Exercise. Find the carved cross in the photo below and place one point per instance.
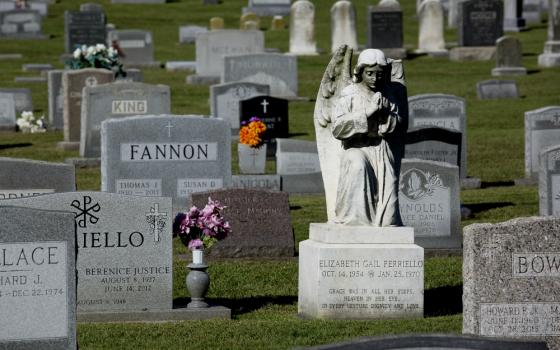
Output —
(264, 104)
(156, 221)
(169, 126)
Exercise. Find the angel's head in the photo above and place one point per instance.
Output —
(372, 69)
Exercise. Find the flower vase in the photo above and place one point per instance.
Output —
(251, 160)
(198, 280)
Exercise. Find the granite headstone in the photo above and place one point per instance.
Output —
(437, 144)
(263, 182)
(7, 111)
(509, 57)
(513, 16)
(56, 99)
(187, 34)
(542, 129)
(385, 28)
(532, 11)
(137, 46)
(83, 28)
(22, 96)
(549, 181)
(21, 24)
(496, 89)
(480, 22)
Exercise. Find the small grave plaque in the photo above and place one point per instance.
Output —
(480, 22)
(83, 28)
(437, 144)
(225, 98)
(273, 112)
(38, 275)
(496, 89)
(510, 274)
(124, 248)
(276, 70)
(195, 152)
(429, 202)
(117, 100)
(7, 111)
(443, 111)
(295, 157)
(24, 178)
(268, 7)
(260, 221)
(542, 129)
(187, 34)
(385, 27)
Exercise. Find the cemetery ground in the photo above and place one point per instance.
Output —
(263, 293)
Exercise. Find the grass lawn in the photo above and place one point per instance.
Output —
(263, 293)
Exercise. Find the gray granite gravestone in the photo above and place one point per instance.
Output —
(440, 110)
(260, 222)
(72, 84)
(83, 28)
(532, 11)
(263, 182)
(124, 248)
(480, 22)
(510, 277)
(38, 279)
(279, 71)
(56, 99)
(132, 75)
(551, 53)
(297, 161)
(137, 46)
(496, 89)
(225, 98)
(268, 7)
(117, 100)
(22, 97)
(436, 144)
(542, 129)
(39, 6)
(549, 181)
(91, 7)
(21, 24)
(7, 111)
(211, 47)
(509, 57)
(429, 201)
(194, 151)
(24, 178)
(513, 16)
(187, 34)
(385, 29)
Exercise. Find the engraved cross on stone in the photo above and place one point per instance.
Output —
(156, 221)
(169, 126)
(264, 103)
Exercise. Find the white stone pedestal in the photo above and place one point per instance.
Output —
(360, 272)
(551, 55)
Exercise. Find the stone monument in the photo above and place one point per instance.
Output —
(385, 28)
(430, 35)
(343, 25)
(362, 263)
(513, 16)
(509, 57)
(551, 54)
(302, 28)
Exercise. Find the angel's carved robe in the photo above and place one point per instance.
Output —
(367, 191)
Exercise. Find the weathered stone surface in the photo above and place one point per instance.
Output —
(551, 54)
(343, 25)
(40, 312)
(430, 35)
(496, 89)
(510, 279)
(195, 151)
(24, 177)
(260, 221)
(542, 129)
(549, 181)
(436, 144)
(509, 57)
(124, 248)
(513, 20)
(302, 28)
(7, 111)
(21, 24)
(187, 34)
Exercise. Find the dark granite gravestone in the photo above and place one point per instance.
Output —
(273, 112)
(511, 272)
(38, 279)
(549, 181)
(260, 221)
(432, 342)
(429, 202)
(437, 144)
(385, 27)
(24, 178)
(496, 89)
(83, 28)
(480, 22)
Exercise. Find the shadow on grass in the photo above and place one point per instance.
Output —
(16, 145)
(481, 207)
(486, 184)
(295, 207)
(292, 134)
(243, 305)
(533, 71)
(443, 301)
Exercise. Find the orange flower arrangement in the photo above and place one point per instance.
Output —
(251, 133)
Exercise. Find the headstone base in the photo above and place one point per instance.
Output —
(68, 145)
(472, 53)
(84, 162)
(396, 53)
(469, 183)
(551, 54)
(514, 24)
(501, 71)
(179, 314)
(202, 79)
(303, 183)
(7, 128)
(525, 182)
(360, 272)
(268, 10)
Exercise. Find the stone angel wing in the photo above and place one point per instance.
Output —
(336, 77)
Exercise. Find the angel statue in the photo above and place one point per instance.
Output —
(360, 124)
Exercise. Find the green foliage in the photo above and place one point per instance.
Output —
(263, 293)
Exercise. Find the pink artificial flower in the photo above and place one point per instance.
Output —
(196, 244)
